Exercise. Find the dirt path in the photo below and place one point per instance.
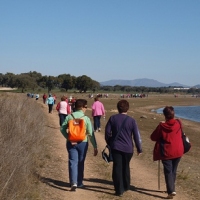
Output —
(98, 182)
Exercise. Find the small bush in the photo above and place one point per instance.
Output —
(62, 90)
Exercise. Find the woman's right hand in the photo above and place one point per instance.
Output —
(95, 151)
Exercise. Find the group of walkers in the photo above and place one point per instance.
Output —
(122, 134)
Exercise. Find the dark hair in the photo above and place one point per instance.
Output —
(123, 106)
(96, 99)
(80, 103)
(168, 112)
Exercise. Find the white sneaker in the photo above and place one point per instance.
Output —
(74, 186)
(99, 130)
(173, 193)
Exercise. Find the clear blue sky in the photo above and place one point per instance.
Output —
(103, 39)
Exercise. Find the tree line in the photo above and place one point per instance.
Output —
(35, 80)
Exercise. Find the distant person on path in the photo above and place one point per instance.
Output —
(122, 147)
(63, 109)
(97, 111)
(168, 148)
(50, 103)
(54, 97)
(77, 150)
(37, 96)
(44, 98)
(72, 102)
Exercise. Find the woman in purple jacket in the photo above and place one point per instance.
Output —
(122, 147)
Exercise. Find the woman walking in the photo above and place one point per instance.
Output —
(126, 130)
(77, 150)
(168, 147)
(63, 109)
(97, 111)
(50, 103)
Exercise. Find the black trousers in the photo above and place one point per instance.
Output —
(170, 168)
(121, 171)
(62, 118)
(50, 108)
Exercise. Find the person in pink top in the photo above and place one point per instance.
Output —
(63, 109)
(97, 111)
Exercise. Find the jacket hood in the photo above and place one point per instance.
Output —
(170, 125)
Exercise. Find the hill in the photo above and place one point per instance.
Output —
(140, 82)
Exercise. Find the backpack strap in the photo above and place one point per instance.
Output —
(119, 131)
(76, 118)
(180, 126)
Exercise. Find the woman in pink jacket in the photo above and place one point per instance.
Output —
(63, 109)
(97, 111)
(168, 147)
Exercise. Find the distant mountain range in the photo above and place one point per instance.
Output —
(143, 82)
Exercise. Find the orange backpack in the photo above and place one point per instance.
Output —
(76, 129)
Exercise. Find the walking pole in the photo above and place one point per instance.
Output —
(158, 174)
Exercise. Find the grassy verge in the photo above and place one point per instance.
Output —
(21, 138)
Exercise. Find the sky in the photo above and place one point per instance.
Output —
(103, 39)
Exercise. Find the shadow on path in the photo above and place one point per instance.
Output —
(143, 191)
(53, 183)
(97, 188)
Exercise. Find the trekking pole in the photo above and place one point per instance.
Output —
(159, 175)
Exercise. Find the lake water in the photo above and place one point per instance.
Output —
(186, 112)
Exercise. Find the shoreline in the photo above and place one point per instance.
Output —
(183, 114)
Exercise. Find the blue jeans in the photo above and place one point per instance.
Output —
(97, 123)
(77, 154)
(170, 168)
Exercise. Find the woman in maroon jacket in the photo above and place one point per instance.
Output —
(168, 147)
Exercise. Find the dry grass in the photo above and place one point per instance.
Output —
(21, 136)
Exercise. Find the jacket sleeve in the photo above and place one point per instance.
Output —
(90, 133)
(155, 136)
(137, 138)
(58, 106)
(92, 110)
(63, 128)
(103, 110)
(68, 109)
(108, 131)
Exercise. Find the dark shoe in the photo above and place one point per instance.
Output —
(73, 187)
(118, 194)
(80, 186)
(170, 196)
